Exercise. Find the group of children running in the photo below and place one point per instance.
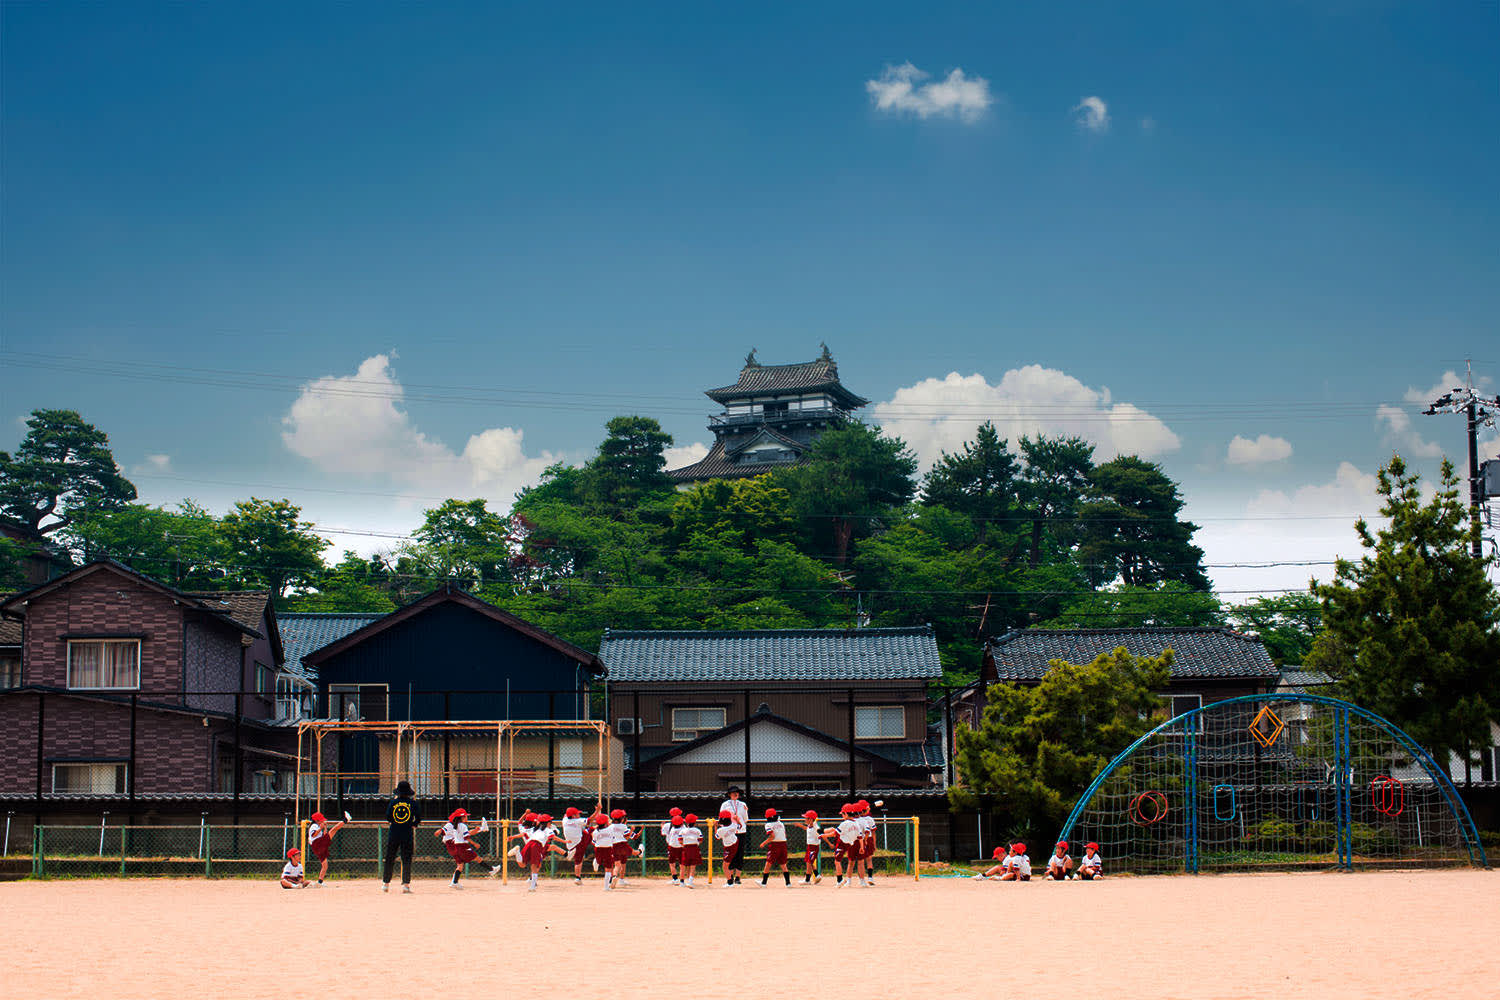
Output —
(611, 841)
(1012, 864)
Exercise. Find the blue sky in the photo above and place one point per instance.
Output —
(1265, 223)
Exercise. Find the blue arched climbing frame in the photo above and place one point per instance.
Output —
(1344, 790)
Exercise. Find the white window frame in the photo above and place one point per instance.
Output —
(264, 680)
(122, 780)
(686, 734)
(1172, 712)
(127, 687)
(883, 710)
(343, 697)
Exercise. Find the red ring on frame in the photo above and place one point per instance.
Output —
(1158, 804)
(1388, 795)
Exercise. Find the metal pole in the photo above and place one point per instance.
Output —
(6, 852)
(286, 824)
(1473, 418)
(202, 830)
(104, 820)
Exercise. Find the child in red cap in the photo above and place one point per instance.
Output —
(775, 845)
(1001, 866)
(576, 840)
(604, 848)
(624, 834)
(815, 837)
(692, 849)
(1092, 866)
(534, 849)
(1060, 864)
(728, 833)
(455, 837)
(320, 840)
(669, 827)
(291, 872)
(846, 847)
(1019, 865)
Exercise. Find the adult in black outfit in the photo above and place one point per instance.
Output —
(402, 816)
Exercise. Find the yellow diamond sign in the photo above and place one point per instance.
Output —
(1266, 726)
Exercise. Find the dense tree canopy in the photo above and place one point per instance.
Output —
(62, 469)
(1131, 531)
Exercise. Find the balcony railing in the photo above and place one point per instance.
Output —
(821, 413)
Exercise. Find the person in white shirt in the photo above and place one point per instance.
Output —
(291, 872)
(1059, 863)
(576, 840)
(814, 836)
(846, 849)
(320, 840)
(1020, 865)
(1092, 865)
(674, 845)
(775, 845)
(455, 837)
(538, 842)
(736, 806)
(1001, 855)
(728, 833)
(692, 850)
(604, 848)
(866, 842)
(623, 835)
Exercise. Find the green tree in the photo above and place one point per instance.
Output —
(1412, 630)
(754, 510)
(269, 546)
(1037, 747)
(356, 584)
(464, 543)
(631, 464)
(62, 470)
(1286, 623)
(13, 555)
(980, 480)
(853, 477)
(1131, 531)
(1166, 605)
(1054, 483)
(184, 548)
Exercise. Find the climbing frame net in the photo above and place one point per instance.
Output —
(1280, 781)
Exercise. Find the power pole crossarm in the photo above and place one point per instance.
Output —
(1477, 410)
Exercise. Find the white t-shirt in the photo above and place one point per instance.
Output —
(573, 827)
(849, 831)
(291, 870)
(621, 833)
(314, 831)
(813, 838)
(740, 811)
(866, 824)
(729, 834)
(776, 830)
(1055, 862)
(455, 833)
(1023, 864)
(1093, 861)
(691, 835)
(674, 836)
(542, 834)
(1008, 862)
(604, 836)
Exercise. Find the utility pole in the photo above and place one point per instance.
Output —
(1477, 410)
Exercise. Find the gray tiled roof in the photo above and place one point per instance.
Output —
(807, 376)
(1298, 679)
(247, 607)
(715, 465)
(1023, 655)
(867, 654)
(303, 632)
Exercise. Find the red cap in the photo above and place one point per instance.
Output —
(458, 814)
(726, 814)
(863, 805)
(1020, 848)
(690, 818)
(1063, 844)
(544, 818)
(571, 811)
(676, 820)
(601, 820)
(528, 816)
(1091, 846)
(617, 814)
(770, 814)
(291, 854)
(810, 815)
(998, 852)
(845, 808)
(674, 811)
(318, 818)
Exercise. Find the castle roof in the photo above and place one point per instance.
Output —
(756, 379)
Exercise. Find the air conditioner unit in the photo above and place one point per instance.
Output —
(627, 727)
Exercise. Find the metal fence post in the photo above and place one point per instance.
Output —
(208, 852)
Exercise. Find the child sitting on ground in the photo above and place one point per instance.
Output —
(1001, 855)
(291, 872)
(1092, 866)
(1059, 865)
(1020, 865)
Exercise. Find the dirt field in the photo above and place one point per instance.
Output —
(1268, 937)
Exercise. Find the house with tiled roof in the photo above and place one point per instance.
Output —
(303, 632)
(775, 711)
(772, 414)
(1208, 665)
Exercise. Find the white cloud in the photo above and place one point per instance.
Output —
(154, 463)
(1243, 451)
(937, 415)
(1092, 114)
(354, 426)
(1148, 124)
(1402, 436)
(900, 90)
(685, 454)
(1446, 382)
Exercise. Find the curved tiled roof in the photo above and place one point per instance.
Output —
(247, 607)
(1024, 655)
(303, 632)
(717, 465)
(807, 376)
(867, 654)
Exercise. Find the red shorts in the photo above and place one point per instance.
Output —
(843, 851)
(579, 854)
(319, 847)
(532, 853)
(776, 853)
(731, 854)
(811, 855)
(604, 855)
(692, 857)
(674, 855)
(462, 853)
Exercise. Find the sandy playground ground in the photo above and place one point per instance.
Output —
(1268, 937)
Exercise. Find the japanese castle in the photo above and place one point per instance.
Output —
(771, 417)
